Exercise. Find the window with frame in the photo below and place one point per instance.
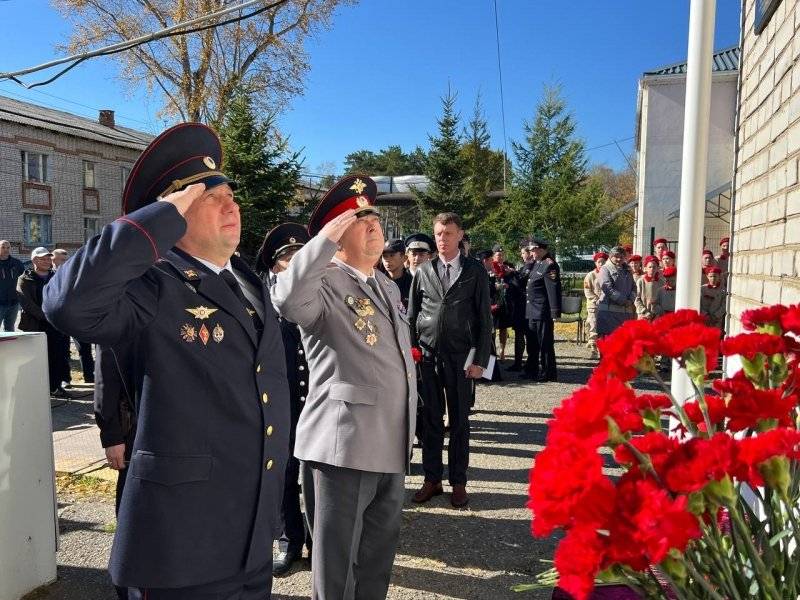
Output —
(764, 11)
(34, 166)
(90, 228)
(89, 175)
(38, 229)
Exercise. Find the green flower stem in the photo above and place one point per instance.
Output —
(644, 460)
(717, 555)
(765, 580)
(684, 418)
(698, 577)
(701, 400)
(795, 524)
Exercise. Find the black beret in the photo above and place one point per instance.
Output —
(278, 241)
(483, 254)
(185, 154)
(497, 248)
(538, 243)
(354, 191)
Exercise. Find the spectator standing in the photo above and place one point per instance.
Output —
(635, 263)
(543, 305)
(419, 250)
(393, 262)
(667, 259)
(503, 277)
(60, 256)
(724, 260)
(30, 291)
(713, 297)
(647, 288)
(10, 270)
(665, 296)
(660, 246)
(591, 289)
(451, 323)
(617, 293)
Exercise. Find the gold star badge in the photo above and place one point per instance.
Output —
(202, 312)
(358, 186)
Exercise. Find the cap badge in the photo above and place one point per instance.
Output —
(202, 312)
(358, 186)
(292, 240)
(209, 162)
(218, 333)
(362, 201)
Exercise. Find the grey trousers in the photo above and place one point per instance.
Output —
(356, 528)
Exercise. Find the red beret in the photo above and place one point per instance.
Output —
(713, 270)
(707, 251)
(635, 258)
(669, 272)
(650, 259)
(660, 241)
(725, 240)
(669, 253)
(599, 255)
(628, 248)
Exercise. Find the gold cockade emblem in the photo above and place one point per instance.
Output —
(358, 186)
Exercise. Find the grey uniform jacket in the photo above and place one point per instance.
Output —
(361, 406)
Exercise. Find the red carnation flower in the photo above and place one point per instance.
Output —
(699, 462)
(654, 401)
(752, 319)
(716, 411)
(678, 340)
(578, 559)
(746, 405)
(684, 316)
(750, 344)
(657, 446)
(790, 320)
(753, 451)
(623, 350)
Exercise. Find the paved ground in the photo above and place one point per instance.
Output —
(478, 553)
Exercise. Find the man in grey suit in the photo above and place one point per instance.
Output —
(357, 426)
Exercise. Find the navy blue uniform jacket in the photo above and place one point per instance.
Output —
(205, 483)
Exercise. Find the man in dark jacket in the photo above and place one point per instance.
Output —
(30, 292)
(201, 503)
(520, 303)
(275, 255)
(10, 270)
(451, 322)
(543, 305)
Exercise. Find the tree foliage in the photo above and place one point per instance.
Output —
(197, 73)
(390, 161)
(266, 171)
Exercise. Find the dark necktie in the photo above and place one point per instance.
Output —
(373, 283)
(446, 277)
(230, 279)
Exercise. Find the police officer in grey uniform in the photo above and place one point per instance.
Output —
(357, 426)
(543, 305)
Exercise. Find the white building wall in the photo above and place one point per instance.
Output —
(766, 220)
(661, 149)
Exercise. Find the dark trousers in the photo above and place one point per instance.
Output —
(256, 585)
(541, 349)
(57, 358)
(87, 360)
(309, 501)
(444, 382)
(294, 530)
(356, 528)
(520, 333)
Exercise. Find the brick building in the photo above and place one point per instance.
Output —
(61, 175)
(766, 217)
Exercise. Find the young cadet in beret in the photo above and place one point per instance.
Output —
(201, 501)
(708, 261)
(724, 260)
(276, 253)
(646, 289)
(357, 427)
(665, 295)
(591, 289)
(660, 246)
(713, 298)
(667, 259)
(635, 263)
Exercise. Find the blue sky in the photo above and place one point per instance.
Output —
(378, 74)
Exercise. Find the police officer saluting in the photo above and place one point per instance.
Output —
(201, 503)
(544, 305)
(277, 251)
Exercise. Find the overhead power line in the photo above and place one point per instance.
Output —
(502, 101)
(174, 30)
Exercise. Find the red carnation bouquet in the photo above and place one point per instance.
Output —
(705, 508)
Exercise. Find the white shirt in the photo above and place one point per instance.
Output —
(253, 296)
(455, 267)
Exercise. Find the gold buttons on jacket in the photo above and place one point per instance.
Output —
(268, 464)
(258, 369)
(265, 398)
(268, 431)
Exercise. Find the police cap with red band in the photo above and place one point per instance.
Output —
(182, 155)
(354, 191)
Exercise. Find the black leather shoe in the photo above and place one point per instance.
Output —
(282, 563)
(514, 368)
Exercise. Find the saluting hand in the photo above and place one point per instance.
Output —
(335, 228)
(184, 199)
